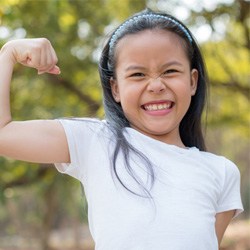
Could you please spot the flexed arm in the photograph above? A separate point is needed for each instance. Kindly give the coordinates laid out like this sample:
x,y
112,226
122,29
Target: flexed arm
x,y
40,141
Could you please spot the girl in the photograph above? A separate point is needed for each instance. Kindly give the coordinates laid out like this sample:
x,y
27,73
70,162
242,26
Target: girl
x,y
149,183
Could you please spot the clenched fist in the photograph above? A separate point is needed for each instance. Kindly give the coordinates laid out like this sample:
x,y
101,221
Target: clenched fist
x,y
36,53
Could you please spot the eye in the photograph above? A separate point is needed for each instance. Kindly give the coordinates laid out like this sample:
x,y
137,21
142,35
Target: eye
x,y
137,74
170,71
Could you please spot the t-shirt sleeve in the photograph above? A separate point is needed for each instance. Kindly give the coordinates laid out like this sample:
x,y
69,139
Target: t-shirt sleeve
x,y
80,134
230,198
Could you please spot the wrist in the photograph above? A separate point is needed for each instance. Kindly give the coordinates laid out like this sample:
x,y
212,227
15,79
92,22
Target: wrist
x,y
7,53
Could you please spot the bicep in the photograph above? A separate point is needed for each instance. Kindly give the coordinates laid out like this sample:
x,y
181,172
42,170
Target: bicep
x,y
222,221
41,141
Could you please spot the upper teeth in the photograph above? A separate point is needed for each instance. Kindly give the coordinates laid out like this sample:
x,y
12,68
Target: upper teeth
x,y
157,106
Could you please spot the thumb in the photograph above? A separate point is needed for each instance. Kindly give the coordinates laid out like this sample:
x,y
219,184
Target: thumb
x,y
55,71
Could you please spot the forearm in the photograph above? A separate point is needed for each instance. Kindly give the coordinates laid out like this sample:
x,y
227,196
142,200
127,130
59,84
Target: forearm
x,y
6,69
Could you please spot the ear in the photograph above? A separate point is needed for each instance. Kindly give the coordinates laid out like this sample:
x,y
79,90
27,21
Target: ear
x,y
194,81
115,89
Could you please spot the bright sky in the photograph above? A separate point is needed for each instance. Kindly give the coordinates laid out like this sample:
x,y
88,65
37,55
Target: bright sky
x,y
202,31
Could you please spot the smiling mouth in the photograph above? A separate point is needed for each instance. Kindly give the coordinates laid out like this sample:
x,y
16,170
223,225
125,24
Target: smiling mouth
x,y
158,106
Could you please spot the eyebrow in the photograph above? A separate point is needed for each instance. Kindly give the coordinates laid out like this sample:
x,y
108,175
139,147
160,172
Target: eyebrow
x,y
138,67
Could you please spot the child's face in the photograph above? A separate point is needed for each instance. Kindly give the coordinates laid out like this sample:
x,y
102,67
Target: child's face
x,y
154,83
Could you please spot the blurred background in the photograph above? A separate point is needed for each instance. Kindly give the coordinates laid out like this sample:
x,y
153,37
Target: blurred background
x,y
41,209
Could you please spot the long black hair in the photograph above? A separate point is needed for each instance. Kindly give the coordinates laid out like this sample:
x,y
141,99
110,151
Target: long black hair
x,y
190,126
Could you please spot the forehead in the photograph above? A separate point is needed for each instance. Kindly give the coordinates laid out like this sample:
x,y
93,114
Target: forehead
x,y
147,45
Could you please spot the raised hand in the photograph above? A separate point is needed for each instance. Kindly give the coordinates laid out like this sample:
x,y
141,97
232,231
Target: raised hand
x,y
36,53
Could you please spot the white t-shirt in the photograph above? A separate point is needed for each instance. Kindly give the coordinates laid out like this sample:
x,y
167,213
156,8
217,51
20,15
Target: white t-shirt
x,y
190,188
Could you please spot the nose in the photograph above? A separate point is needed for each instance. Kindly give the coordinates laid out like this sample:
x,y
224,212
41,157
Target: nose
x,y
156,85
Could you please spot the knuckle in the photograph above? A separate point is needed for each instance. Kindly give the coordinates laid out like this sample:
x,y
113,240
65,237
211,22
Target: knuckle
x,y
56,60
44,41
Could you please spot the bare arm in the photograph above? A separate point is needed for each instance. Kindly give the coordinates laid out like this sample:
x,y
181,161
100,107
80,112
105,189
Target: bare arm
x,y
36,141
222,221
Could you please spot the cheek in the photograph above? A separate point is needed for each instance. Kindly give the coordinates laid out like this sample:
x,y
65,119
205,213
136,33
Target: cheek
x,y
129,92
130,99
183,94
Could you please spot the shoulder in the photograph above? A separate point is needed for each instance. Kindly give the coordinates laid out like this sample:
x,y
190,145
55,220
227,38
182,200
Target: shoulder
x,y
78,121
218,163
80,124
217,159
85,128
226,180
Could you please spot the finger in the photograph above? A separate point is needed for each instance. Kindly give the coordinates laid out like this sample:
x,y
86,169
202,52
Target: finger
x,y
29,59
33,58
54,56
48,60
50,66
44,59
45,67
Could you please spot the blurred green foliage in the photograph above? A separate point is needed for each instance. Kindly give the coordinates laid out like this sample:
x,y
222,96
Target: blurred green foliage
x,y
78,30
